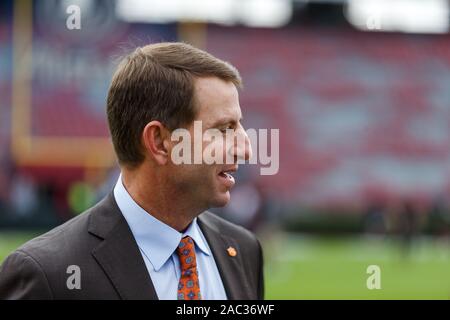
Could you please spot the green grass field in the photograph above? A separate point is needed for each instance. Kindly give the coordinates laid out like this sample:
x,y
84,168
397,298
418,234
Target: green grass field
x,y
322,268
317,268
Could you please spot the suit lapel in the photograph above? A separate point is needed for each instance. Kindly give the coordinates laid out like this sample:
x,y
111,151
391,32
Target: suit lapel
x,y
121,260
119,255
231,269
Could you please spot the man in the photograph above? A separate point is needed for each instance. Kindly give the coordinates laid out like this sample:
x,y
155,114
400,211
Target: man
x,y
152,238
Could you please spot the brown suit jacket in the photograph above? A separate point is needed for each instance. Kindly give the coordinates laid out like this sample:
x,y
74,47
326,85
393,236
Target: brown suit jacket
x,y
100,242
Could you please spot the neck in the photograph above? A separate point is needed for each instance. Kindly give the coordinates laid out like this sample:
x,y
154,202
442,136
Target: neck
x,y
152,193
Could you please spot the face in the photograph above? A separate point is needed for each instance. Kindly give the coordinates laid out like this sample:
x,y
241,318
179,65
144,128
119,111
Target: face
x,y
217,104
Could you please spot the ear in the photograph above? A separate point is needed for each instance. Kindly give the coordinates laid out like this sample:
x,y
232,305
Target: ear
x,y
155,140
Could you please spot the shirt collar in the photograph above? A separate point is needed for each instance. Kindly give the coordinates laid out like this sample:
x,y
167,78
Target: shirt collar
x,y
155,238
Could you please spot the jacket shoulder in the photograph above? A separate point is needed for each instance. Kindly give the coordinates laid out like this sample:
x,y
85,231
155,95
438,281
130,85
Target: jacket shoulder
x,y
61,244
62,238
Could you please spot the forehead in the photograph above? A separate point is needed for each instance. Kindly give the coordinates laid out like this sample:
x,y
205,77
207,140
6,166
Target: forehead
x,y
215,99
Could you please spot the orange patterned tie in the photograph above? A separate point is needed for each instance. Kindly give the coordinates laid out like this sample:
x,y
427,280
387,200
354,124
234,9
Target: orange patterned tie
x,y
188,286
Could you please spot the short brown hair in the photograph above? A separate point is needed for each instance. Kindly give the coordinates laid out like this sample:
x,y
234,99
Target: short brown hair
x,y
156,82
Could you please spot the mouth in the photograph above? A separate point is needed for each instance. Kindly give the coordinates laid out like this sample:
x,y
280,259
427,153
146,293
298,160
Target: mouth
x,y
226,177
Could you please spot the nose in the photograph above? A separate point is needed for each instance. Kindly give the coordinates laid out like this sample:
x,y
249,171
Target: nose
x,y
242,148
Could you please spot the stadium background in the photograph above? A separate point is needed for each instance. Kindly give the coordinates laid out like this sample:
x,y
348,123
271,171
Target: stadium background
x,y
364,121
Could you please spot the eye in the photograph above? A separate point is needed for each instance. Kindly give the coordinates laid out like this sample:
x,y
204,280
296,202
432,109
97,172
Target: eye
x,y
224,130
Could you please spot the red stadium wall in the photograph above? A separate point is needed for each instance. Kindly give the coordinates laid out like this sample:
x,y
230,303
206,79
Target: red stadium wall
x,y
362,116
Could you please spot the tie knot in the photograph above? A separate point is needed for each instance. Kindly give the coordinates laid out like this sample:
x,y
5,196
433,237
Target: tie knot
x,y
186,241
186,253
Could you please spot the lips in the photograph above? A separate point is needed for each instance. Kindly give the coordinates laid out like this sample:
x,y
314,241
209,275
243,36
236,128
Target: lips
x,y
226,178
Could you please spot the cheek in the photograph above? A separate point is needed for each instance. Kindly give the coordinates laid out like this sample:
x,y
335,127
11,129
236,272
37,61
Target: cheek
x,y
215,152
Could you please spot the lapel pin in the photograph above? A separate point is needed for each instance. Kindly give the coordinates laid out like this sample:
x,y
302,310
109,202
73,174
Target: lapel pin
x,y
232,252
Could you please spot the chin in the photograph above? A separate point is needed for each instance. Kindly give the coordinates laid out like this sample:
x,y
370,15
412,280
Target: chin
x,y
221,200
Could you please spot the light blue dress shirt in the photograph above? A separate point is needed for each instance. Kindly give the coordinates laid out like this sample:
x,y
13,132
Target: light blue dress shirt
x,y
158,242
